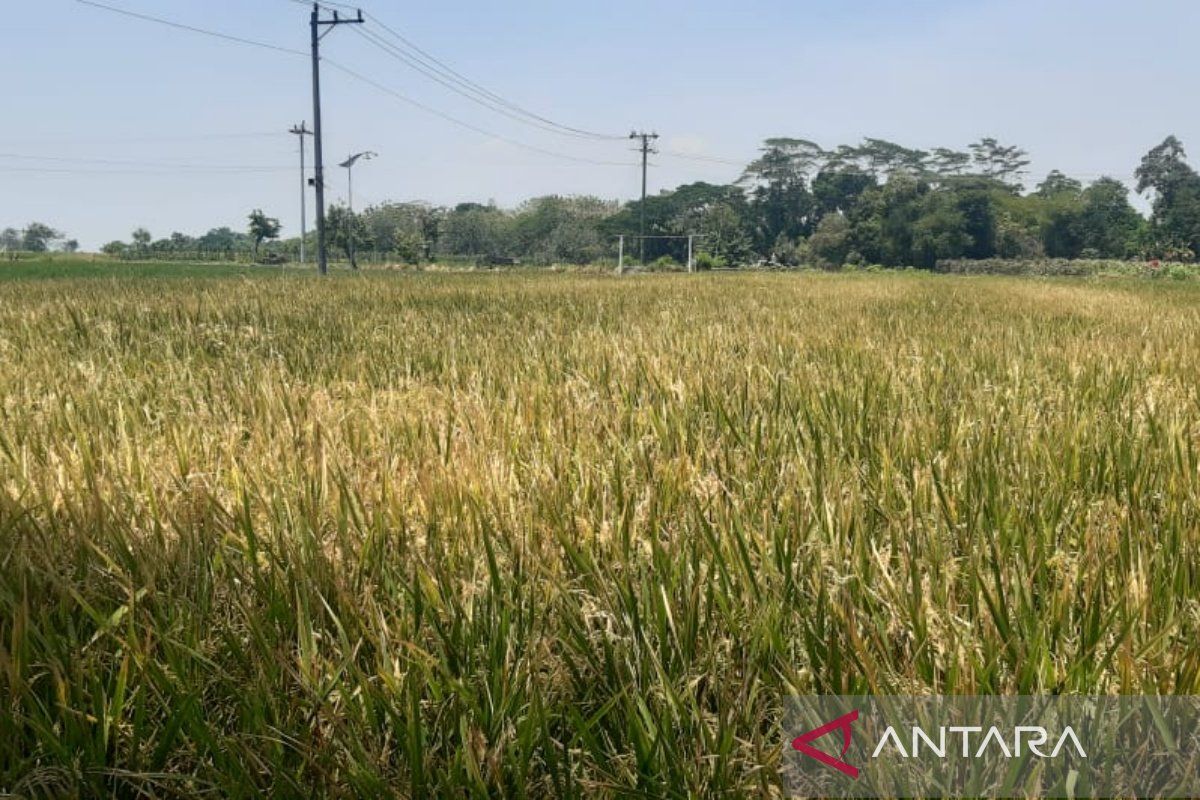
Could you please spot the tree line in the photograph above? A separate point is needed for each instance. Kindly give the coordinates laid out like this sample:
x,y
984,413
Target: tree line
x,y
36,237
797,203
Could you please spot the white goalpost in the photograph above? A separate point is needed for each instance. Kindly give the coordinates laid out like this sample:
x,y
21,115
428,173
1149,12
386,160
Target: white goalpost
x,y
691,248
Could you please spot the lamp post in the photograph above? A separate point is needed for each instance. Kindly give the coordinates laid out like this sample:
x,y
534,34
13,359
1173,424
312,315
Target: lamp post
x,y
349,163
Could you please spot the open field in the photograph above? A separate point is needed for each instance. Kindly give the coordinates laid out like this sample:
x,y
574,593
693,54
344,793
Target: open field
x,y
529,535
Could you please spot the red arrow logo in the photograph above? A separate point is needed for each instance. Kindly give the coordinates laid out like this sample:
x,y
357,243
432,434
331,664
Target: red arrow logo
x,y
842,723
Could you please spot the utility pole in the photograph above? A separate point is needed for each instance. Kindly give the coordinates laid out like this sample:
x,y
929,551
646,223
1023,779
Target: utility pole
x,y
302,130
319,167
349,165
646,149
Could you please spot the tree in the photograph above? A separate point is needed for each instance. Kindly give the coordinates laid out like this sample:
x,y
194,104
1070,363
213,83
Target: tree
x,y
831,242
554,229
70,246
1109,225
114,248
10,240
884,158
884,221
141,240
836,190
405,230
1061,230
38,237
1057,183
723,231
1003,164
940,232
471,229
945,162
1175,222
341,225
223,239
180,242
262,228
781,204
1164,168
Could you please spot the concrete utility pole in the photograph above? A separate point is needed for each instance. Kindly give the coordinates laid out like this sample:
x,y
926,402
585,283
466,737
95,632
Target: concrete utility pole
x,y
349,165
319,167
646,149
301,130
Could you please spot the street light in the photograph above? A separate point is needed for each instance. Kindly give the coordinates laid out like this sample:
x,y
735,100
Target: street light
x,y
366,155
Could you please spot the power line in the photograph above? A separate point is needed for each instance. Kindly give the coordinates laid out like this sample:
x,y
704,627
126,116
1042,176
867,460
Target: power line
x,y
705,158
180,26
150,164
472,86
134,171
203,137
455,120
471,94
434,68
357,76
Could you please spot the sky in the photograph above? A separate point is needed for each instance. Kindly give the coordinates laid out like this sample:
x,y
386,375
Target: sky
x,y
112,122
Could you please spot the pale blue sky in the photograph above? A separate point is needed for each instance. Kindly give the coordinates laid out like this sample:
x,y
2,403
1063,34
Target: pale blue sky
x,y
1085,86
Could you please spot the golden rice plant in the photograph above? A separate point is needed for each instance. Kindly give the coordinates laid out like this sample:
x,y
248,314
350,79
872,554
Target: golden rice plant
x,y
533,535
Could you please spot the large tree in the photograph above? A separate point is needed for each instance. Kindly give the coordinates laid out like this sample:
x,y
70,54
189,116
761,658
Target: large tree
x,y
1002,163
262,228
556,229
1175,224
38,237
343,227
777,181
472,229
141,240
10,240
405,230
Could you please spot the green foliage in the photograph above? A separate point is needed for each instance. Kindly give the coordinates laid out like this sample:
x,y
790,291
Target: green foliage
x,y
10,240
262,228
38,237
1066,268
881,202
406,231
831,242
1174,230
342,227
562,230
141,240
471,229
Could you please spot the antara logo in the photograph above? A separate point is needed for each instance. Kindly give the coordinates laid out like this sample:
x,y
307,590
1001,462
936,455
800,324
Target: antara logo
x,y
1024,739
843,724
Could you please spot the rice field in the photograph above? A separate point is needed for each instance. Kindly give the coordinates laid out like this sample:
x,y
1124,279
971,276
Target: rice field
x,y
554,536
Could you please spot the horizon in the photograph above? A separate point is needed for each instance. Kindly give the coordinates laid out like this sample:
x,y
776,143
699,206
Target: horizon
x,y
183,138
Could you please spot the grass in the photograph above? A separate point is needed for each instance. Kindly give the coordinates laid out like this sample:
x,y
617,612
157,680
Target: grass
x,y
66,266
556,536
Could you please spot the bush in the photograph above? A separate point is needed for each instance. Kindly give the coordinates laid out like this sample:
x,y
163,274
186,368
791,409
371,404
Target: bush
x,y
830,244
1064,268
1035,266
664,262
708,261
